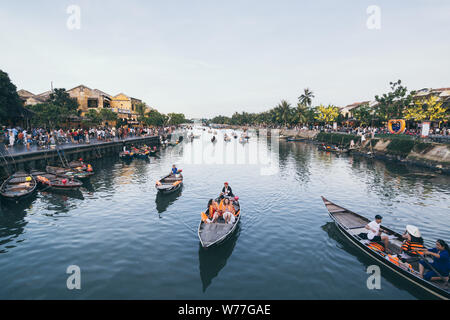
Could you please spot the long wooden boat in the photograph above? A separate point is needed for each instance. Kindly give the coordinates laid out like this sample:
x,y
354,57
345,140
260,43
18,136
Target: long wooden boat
x,y
54,182
69,172
169,183
329,148
212,234
126,155
18,186
293,139
351,225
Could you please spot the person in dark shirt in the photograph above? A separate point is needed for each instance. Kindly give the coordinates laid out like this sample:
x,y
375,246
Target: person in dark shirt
x,y
226,191
441,262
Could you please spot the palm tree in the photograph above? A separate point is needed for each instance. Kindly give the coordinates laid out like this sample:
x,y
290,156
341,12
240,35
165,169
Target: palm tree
x,y
283,111
301,113
306,97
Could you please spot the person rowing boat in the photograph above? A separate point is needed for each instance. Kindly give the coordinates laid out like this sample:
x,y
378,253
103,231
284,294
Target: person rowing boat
x,y
439,269
226,191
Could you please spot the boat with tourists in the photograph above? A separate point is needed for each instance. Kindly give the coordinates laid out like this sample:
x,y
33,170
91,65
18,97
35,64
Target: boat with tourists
x,y
353,227
212,233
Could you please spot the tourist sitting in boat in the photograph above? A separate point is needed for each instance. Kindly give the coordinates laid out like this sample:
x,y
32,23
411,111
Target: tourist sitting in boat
x,y
375,232
441,262
413,244
211,214
226,191
229,211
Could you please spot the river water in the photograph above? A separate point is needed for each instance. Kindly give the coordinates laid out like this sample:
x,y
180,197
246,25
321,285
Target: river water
x,y
130,243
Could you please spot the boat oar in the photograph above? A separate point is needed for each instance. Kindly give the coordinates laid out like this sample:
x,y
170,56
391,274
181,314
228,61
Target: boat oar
x,y
435,271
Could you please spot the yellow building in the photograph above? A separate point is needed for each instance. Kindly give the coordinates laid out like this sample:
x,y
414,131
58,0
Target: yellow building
x,y
125,107
88,99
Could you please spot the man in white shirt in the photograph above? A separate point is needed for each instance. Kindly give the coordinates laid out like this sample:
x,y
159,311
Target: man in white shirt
x,y
375,231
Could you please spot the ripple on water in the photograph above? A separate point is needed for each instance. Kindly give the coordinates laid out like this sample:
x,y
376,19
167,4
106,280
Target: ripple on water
x,y
131,244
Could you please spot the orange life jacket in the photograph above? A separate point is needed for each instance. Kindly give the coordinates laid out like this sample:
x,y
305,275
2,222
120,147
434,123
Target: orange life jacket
x,y
396,261
376,247
411,247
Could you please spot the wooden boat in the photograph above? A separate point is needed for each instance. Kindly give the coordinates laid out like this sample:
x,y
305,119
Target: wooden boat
x,y
126,155
55,182
334,149
80,165
69,172
212,234
293,139
351,225
18,186
169,183
142,154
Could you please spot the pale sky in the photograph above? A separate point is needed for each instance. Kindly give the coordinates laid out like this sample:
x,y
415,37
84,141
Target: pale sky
x,y
206,57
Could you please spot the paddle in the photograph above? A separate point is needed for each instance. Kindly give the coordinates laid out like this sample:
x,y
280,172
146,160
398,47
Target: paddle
x,y
434,270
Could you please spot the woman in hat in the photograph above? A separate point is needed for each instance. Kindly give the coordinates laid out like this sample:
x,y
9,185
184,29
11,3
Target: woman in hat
x,y
413,244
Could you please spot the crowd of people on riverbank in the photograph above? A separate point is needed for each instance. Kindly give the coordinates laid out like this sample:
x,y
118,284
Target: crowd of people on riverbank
x,y
45,138
362,130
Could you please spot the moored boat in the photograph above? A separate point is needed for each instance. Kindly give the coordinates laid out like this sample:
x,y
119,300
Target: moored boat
x,y
332,148
293,139
352,225
169,183
69,172
212,234
126,155
55,182
18,186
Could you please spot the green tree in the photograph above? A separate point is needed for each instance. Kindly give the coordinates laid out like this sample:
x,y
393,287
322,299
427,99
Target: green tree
x,y
391,105
283,112
327,114
60,97
10,102
363,114
306,97
176,118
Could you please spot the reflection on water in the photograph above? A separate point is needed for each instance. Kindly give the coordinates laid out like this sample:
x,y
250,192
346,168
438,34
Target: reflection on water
x,y
13,223
163,201
132,243
213,260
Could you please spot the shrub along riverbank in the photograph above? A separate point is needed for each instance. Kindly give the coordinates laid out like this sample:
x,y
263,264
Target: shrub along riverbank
x,y
390,147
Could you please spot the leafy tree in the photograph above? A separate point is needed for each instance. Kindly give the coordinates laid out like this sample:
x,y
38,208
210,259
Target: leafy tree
x,y
363,114
427,108
10,102
107,115
47,115
93,117
390,105
176,118
283,112
306,97
60,97
327,114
